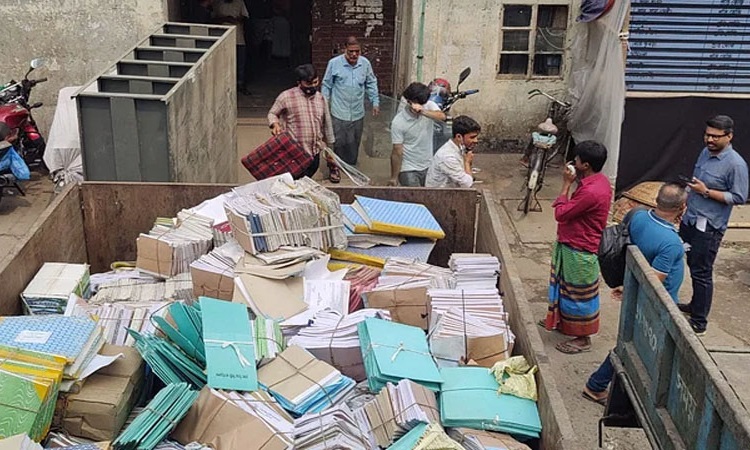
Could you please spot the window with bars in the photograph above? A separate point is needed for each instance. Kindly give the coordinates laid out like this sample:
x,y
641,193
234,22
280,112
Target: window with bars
x,y
533,40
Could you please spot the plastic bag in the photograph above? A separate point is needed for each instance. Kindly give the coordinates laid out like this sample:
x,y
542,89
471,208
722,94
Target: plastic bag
x,y
516,377
17,165
354,174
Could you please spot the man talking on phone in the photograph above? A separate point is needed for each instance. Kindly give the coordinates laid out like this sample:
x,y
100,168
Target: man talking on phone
x,y
719,181
451,165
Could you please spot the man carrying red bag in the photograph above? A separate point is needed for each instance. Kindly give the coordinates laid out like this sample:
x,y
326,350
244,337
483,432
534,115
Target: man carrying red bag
x,y
303,113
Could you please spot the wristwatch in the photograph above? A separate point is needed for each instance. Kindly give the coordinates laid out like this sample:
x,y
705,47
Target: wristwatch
x,y
705,193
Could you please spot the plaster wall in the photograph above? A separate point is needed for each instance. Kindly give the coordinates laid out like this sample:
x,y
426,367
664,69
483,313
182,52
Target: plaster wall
x,y
79,38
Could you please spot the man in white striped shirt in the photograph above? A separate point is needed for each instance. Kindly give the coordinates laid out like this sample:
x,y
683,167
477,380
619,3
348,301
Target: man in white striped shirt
x,y
451,165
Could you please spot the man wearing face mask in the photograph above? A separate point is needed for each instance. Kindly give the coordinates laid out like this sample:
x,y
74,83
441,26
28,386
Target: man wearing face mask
x,y
451,165
303,112
411,135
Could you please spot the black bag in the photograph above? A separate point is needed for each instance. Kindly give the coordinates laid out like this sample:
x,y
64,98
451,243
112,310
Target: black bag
x,y
611,254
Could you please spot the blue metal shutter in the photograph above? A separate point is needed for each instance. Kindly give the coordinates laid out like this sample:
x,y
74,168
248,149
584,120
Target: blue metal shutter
x,y
698,46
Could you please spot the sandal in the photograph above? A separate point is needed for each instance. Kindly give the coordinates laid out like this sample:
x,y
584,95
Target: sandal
x,y
543,323
601,401
334,175
572,349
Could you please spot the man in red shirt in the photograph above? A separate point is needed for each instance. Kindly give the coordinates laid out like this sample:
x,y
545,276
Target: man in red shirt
x,y
303,111
581,219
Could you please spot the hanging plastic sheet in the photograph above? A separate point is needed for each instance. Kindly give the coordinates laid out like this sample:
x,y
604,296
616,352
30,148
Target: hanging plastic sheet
x,y
63,153
597,87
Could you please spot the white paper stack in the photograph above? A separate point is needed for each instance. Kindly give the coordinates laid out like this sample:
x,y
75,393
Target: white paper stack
x,y
48,291
452,338
221,260
475,270
333,428
114,318
407,273
332,337
484,304
19,442
394,411
278,212
142,290
169,248
108,278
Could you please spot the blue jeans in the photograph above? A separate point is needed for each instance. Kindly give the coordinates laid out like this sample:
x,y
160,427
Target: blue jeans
x,y
599,380
241,63
704,246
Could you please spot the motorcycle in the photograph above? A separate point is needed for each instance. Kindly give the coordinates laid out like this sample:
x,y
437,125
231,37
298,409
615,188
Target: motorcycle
x,y
15,111
441,94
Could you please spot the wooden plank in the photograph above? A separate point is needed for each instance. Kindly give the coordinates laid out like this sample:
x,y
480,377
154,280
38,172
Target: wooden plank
x,y
454,209
56,236
557,430
115,213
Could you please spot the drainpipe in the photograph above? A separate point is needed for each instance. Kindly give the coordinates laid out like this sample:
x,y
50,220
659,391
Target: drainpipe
x,y
420,41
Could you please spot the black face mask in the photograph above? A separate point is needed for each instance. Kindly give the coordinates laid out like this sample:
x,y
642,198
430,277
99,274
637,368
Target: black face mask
x,y
309,90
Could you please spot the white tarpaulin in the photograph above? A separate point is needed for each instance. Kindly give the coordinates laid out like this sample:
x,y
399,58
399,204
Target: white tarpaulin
x,y
63,151
597,86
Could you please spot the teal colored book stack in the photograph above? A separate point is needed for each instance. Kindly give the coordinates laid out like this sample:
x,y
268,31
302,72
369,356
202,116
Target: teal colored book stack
x,y
469,398
158,419
393,352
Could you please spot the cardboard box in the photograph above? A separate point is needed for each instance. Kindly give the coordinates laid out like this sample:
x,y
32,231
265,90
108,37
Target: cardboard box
x,y
101,408
407,306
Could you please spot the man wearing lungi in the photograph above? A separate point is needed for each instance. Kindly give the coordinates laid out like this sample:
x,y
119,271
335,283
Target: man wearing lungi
x,y
574,278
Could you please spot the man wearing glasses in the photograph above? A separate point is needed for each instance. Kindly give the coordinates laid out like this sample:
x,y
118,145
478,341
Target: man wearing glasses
x,y
720,181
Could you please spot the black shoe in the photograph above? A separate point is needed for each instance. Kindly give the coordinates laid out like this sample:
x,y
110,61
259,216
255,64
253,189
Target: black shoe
x,y
685,308
697,330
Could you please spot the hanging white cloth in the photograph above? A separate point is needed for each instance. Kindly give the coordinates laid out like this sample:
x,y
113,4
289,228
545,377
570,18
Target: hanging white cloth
x,y
597,83
63,151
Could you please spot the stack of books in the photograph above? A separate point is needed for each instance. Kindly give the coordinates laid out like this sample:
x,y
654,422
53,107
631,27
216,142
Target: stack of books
x,y
77,339
49,290
169,248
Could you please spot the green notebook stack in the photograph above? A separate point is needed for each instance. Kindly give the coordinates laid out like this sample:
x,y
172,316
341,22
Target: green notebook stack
x,y
268,338
29,383
158,419
168,362
393,352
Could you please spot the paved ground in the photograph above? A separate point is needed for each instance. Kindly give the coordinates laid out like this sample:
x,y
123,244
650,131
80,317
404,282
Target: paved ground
x,y
530,239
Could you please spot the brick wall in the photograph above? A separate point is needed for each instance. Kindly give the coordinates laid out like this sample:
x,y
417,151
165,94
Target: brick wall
x,y
371,21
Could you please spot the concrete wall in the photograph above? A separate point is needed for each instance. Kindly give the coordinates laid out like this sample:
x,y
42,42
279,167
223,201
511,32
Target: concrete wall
x,y
79,38
467,34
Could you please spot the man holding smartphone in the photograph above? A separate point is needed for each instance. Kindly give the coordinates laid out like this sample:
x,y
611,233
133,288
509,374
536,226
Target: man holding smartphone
x,y
719,181
451,165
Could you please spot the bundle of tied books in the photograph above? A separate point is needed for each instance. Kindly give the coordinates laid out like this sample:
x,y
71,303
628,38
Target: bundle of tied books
x,y
395,410
143,288
172,244
116,318
469,398
228,420
392,352
332,337
381,229
280,212
333,428
213,273
29,384
75,339
402,290
49,290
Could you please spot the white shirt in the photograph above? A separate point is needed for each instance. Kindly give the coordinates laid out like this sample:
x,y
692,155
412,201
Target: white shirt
x,y
447,168
414,132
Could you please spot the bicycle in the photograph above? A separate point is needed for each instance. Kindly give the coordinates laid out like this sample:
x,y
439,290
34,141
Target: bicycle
x,y
542,153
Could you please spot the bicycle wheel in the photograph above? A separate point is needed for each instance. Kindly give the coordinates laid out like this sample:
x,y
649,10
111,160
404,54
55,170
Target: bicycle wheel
x,y
532,179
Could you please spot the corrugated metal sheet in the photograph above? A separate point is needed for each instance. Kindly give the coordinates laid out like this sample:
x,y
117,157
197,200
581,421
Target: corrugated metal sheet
x,y
689,46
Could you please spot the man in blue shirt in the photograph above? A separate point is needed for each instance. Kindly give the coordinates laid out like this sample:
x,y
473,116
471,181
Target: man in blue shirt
x,y
655,235
720,181
348,77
